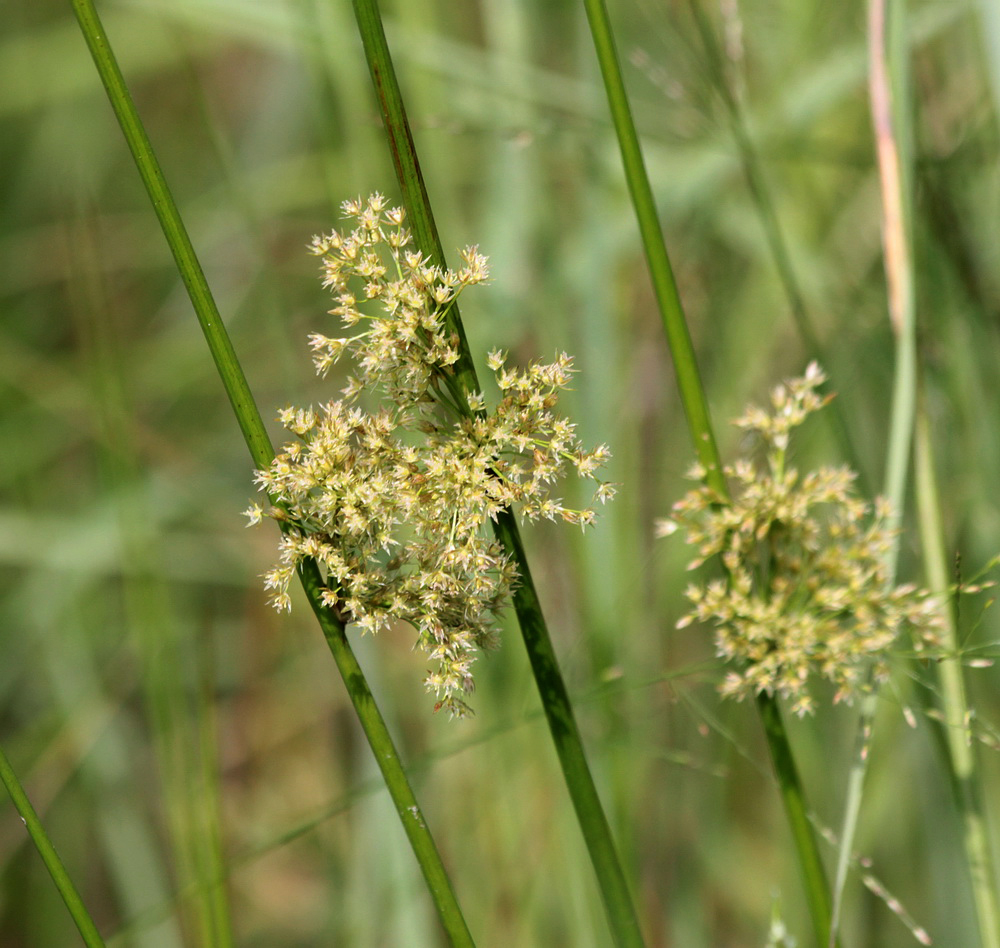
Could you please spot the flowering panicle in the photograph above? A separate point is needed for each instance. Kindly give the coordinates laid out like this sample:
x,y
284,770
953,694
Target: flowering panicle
x,y
805,589
392,505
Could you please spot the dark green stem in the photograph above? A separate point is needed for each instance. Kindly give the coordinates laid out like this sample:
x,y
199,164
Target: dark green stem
x,y
792,796
621,914
569,745
387,758
660,271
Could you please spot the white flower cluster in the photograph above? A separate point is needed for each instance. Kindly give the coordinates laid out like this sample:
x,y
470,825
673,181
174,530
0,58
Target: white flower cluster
x,y
805,589
393,505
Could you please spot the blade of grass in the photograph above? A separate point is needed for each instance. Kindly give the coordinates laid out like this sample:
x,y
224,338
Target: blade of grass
x,y
700,426
262,453
593,822
85,924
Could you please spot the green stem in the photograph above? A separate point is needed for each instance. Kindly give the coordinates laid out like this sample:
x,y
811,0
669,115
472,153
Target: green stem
x,y
793,797
411,180
569,746
88,930
387,757
176,234
262,452
887,92
699,422
619,908
760,194
965,774
660,270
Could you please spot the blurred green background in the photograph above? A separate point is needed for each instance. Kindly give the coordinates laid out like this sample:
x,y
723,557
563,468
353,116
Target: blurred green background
x,y
160,712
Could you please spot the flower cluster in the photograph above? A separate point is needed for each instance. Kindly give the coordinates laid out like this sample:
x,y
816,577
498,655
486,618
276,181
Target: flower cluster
x,y
806,589
393,504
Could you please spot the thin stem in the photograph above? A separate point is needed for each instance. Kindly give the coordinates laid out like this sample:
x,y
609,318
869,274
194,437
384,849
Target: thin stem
x,y
887,96
887,89
887,93
699,423
387,758
797,811
85,924
262,452
760,194
619,908
662,274
965,773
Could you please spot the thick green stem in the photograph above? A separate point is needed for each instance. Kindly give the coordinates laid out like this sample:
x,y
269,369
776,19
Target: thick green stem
x,y
569,745
262,452
793,797
662,274
621,914
387,759
696,409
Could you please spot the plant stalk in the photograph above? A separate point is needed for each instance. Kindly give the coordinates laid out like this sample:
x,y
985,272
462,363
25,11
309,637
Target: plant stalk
x,y
262,452
85,924
700,426
619,908
964,768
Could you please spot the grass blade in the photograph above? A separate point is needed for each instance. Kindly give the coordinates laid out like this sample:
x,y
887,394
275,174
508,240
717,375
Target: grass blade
x,y
965,772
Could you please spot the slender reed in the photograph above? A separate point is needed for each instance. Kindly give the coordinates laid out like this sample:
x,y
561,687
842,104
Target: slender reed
x,y
85,924
964,770
620,910
699,424
262,453
664,286
777,243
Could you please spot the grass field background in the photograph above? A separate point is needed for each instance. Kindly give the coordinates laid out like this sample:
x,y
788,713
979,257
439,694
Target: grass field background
x,y
160,712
